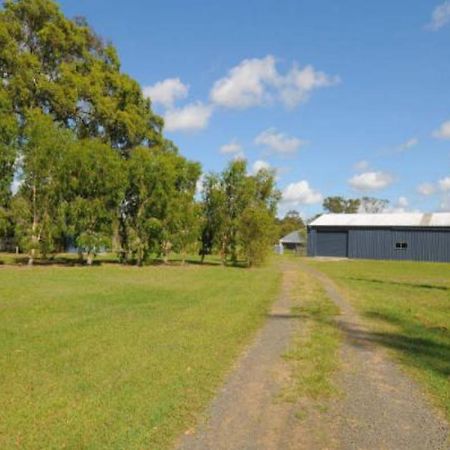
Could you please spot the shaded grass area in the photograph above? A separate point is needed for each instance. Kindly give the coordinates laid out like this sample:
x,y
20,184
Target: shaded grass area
x,y
314,353
407,307
116,357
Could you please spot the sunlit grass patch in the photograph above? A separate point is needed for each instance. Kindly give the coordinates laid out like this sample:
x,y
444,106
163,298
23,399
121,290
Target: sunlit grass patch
x,y
406,306
314,352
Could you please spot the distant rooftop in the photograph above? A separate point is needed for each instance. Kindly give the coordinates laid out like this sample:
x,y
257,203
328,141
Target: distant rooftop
x,y
383,220
292,238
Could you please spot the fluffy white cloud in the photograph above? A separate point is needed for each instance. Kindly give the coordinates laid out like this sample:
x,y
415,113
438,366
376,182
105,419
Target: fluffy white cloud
x,y
370,181
192,117
440,16
245,85
444,184
362,165
402,202
445,203
231,148
443,132
259,165
296,86
166,92
426,189
410,143
254,82
278,142
300,193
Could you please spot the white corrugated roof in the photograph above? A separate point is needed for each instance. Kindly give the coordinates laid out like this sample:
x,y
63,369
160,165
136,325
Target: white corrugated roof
x,y
292,238
383,220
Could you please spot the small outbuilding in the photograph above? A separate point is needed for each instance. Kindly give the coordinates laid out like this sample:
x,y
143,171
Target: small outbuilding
x,y
293,241
406,236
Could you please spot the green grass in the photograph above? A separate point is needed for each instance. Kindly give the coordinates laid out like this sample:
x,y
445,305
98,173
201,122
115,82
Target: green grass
x,y
407,308
114,357
314,353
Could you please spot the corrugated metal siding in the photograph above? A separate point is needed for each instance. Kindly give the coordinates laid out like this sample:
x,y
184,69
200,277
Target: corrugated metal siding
x,y
379,243
332,243
370,243
312,242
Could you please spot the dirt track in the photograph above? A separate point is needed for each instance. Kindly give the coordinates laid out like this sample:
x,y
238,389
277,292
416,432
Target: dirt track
x,y
380,408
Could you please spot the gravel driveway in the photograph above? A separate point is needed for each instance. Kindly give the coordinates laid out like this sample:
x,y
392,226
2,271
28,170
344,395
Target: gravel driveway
x,y
381,408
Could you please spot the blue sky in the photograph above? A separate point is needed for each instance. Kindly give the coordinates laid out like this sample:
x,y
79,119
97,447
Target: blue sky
x,y
342,98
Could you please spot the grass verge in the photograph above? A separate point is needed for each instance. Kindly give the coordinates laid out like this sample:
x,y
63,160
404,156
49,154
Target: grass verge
x,y
314,353
114,357
407,309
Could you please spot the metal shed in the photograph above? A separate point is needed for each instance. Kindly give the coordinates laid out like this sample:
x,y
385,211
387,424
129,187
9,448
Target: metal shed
x,y
406,236
293,240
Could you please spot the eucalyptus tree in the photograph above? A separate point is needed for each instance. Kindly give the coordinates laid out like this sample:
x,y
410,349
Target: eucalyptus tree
x,y
37,207
238,213
62,67
93,182
160,202
8,145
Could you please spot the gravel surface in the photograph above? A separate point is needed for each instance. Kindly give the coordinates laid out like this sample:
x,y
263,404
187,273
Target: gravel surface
x,y
380,408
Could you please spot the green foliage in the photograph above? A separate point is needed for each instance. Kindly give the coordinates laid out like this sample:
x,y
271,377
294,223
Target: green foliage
x,y
339,205
257,233
37,206
239,213
290,222
94,188
371,205
63,68
160,211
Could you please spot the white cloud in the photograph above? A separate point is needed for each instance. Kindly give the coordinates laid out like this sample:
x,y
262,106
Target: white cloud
x,y
231,148
362,165
278,142
440,16
296,86
259,165
166,92
370,181
443,132
192,117
246,84
255,82
410,143
401,206
300,193
402,202
445,203
426,189
444,184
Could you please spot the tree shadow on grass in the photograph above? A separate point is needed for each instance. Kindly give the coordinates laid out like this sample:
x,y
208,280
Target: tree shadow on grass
x,y
419,346
401,283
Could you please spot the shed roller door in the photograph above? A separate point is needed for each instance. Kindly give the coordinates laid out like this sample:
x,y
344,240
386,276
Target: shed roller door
x,y
332,243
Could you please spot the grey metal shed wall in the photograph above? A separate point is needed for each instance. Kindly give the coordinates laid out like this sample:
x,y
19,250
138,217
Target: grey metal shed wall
x,y
375,243
332,243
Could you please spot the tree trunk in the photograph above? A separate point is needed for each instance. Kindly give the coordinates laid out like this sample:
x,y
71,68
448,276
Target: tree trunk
x,y
90,259
31,257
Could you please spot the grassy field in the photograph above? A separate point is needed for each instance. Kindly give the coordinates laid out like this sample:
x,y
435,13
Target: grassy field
x,y
407,307
114,357
314,353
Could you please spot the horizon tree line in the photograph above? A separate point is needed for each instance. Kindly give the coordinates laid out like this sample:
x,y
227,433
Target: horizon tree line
x,y
91,160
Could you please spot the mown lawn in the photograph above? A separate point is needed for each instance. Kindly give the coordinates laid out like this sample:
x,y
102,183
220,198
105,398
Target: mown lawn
x,y
314,352
115,357
407,306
